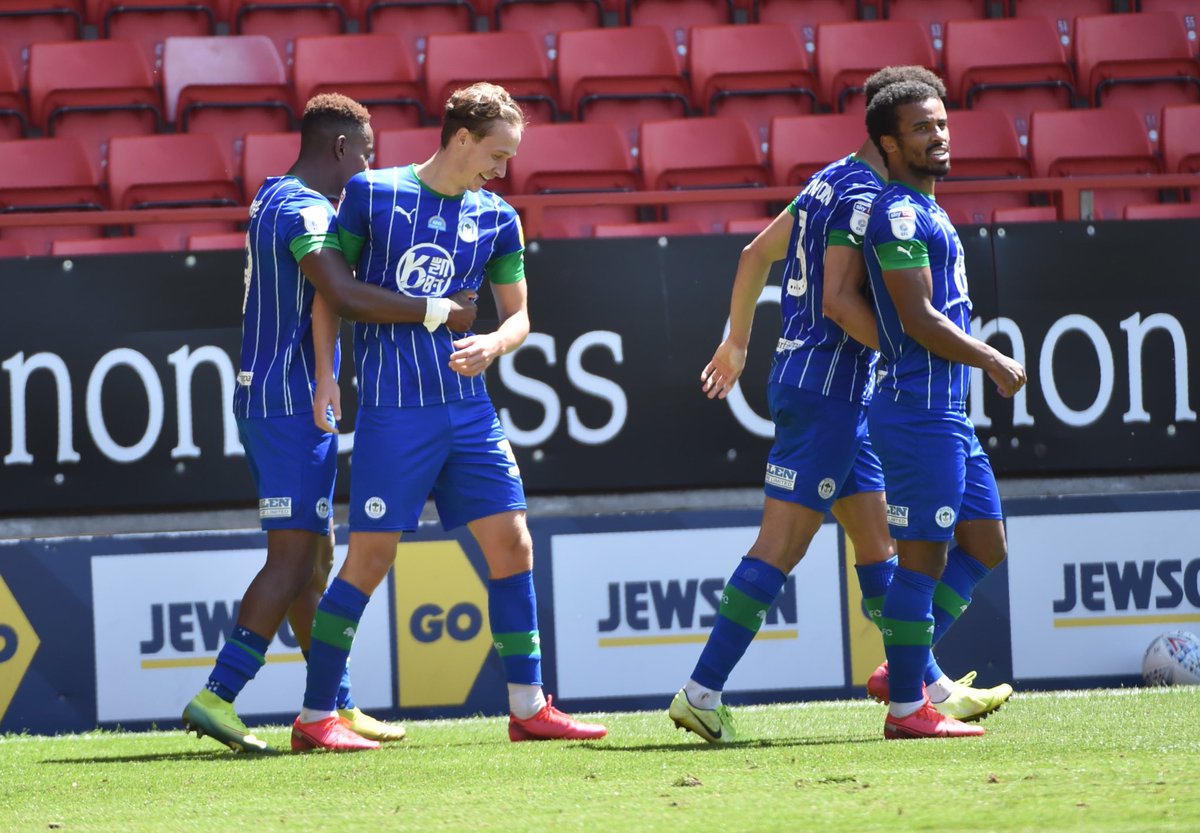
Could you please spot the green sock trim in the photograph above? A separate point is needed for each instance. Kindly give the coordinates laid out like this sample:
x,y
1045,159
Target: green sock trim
x,y
899,632
334,630
945,598
743,610
257,656
518,644
874,606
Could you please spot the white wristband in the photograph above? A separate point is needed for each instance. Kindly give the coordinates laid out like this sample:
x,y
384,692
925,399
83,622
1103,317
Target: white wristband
x,y
437,310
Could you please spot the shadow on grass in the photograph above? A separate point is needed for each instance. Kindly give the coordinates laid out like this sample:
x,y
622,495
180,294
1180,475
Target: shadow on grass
x,y
700,746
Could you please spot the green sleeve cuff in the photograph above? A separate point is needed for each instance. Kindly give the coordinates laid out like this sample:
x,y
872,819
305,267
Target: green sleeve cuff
x,y
306,244
351,245
909,254
841,237
508,268
791,209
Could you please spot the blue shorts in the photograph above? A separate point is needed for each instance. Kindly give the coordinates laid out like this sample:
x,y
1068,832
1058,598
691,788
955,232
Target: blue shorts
x,y
294,465
822,452
937,472
457,451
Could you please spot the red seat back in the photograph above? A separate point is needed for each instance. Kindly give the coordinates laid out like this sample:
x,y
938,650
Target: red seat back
x,y
802,145
376,70
26,22
44,173
13,119
416,20
170,170
403,147
1188,12
849,52
148,23
511,59
571,157
934,15
266,155
804,16
1181,139
1062,13
544,19
283,21
676,17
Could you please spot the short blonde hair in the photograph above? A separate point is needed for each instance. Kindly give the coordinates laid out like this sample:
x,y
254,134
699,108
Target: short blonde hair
x,y
476,108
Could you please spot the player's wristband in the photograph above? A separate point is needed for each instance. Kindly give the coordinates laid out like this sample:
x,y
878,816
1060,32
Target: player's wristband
x,y
437,310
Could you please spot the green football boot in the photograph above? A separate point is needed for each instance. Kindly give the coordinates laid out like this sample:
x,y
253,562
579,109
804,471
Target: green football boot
x,y
369,727
208,714
714,725
969,704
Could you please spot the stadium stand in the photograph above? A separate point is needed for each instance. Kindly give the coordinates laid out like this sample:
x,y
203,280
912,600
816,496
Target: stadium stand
x,y
983,145
1062,13
544,19
653,228
933,15
266,154
107,246
1188,12
14,120
148,23
1163,211
402,147
676,17
25,22
375,69
849,52
511,59
416,20
802,145
283,21
806,15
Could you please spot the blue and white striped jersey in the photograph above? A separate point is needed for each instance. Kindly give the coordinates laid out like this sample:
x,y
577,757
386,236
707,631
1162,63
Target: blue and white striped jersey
x,y
813,352
908,229
405,237
276,375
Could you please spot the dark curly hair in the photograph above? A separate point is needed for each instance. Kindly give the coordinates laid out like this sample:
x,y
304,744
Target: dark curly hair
x,y
882,111
894,75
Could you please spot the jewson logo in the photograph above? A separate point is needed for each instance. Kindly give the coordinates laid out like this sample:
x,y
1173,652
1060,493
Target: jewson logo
x,y
190,634
18,643
442,635
680,611
1150,591
425,270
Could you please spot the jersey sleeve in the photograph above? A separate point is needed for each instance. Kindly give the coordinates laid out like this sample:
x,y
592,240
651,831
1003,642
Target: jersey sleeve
x,y
306,223
507,263
354,217
848,221
899,237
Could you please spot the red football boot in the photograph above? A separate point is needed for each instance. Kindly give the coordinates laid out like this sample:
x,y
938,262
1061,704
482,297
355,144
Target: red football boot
x,y
877,683
551,724
927,722
332,733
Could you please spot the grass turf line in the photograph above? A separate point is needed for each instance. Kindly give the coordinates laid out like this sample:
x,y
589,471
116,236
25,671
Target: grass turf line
x,y
1095,761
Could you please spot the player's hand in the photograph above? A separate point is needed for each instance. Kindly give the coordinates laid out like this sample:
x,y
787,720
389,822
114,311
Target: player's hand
x,y
722,372
462,311
327,405
1008,374
474,354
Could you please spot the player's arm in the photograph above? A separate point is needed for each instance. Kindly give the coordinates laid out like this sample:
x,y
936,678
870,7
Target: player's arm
x,y
753,269
327,398
911,291
843,301
475,353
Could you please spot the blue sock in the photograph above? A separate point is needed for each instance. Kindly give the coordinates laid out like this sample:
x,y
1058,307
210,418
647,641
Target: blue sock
x,y
239,660
345,700
512,614
952,597
908,632
748,596
874,579
336,620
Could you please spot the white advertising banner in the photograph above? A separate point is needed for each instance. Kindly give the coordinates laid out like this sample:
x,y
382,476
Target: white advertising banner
x,y
1088,593
632,611
160,619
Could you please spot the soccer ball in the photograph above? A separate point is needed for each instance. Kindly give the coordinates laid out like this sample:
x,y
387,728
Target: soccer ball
x,y
1173,659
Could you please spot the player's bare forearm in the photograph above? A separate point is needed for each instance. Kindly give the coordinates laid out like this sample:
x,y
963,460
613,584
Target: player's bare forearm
x,y
325,326
474,354
843,301
753,269
349,298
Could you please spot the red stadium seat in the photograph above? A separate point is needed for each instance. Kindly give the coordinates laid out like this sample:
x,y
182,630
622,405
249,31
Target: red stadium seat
x,y
1141,61
93,90
703,152
227,87
378,71
221,241
16,248
804,16
677,17
752,72
283,21
107,246
1015,65
748,225
511,59
1089,142
13,119
1163,211
48,174
148,23
624,76
403,147
1025,214
416,20
849,52
1181,139
579,157
25,22
663,228
802,145
1188,12
983,145
933,15
186,169
265,155
1062,13
544,19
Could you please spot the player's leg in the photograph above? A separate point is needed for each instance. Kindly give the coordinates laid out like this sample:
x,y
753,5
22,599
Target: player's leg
x,y
480,487
815,444
290,461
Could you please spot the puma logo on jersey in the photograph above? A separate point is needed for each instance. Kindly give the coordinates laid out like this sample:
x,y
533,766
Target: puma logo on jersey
x,y
907,251
408,215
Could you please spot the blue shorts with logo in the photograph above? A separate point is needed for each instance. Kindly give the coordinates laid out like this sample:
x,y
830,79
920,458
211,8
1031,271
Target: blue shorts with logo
x,y
822,452
294,465
455,451
937,472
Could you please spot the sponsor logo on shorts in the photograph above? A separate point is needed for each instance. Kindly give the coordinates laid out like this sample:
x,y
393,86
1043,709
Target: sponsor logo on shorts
x,y
245,377
897,515
375,508
781,478
944,517
275,507
323,508
797,286
826,488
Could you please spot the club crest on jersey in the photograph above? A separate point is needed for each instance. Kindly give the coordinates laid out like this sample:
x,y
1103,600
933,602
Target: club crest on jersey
x,y
468,232
425,270
436,223
859,216
781,478
903,219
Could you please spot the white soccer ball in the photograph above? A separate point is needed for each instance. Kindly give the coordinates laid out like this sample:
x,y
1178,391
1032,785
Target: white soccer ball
x,y
1173,659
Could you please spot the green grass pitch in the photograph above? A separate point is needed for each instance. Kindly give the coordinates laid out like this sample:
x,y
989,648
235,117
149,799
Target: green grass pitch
x,y
1095,761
